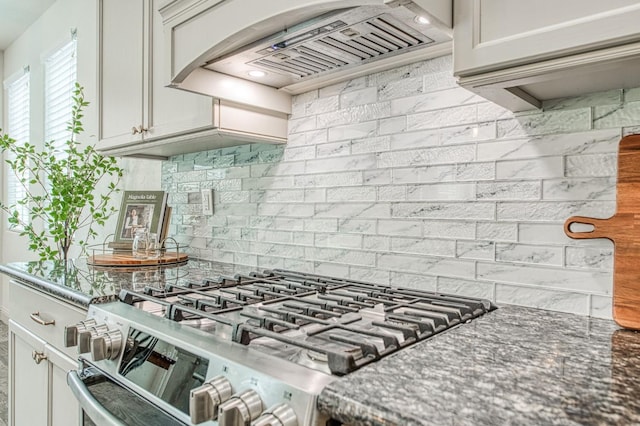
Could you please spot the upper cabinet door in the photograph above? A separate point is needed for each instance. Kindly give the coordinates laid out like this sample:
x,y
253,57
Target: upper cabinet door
x,y
120,68
171,111
519,53
135,105
495,34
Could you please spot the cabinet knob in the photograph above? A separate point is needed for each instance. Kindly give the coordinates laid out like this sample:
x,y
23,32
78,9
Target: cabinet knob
x,y
140,129
36,317
38,357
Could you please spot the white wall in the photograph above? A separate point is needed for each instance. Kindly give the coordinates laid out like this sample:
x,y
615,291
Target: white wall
x,y
50,31
2,225
402,177
3,311
1,96
47,33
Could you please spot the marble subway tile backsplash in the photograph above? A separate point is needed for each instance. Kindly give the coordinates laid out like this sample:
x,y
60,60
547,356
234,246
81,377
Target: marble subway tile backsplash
x,y
403,178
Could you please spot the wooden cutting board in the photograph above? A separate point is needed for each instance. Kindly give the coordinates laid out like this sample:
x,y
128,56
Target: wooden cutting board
x,y
623,228
122,259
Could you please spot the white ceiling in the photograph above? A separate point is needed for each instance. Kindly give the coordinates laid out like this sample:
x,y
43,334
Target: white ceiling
x,y
17,15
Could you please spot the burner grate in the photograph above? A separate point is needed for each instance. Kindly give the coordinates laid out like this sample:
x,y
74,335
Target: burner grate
x,y
345,324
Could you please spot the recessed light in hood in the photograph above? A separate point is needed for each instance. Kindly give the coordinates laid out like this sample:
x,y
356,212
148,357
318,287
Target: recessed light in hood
x,y
256,73
332,42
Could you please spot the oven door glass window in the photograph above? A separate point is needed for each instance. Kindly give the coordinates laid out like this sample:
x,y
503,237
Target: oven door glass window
x,y
164,370
122,404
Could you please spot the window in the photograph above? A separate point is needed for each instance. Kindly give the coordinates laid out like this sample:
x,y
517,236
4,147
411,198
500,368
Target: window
x,y
17,128
60,73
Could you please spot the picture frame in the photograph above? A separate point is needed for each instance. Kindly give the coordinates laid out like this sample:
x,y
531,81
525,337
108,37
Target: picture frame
x,y
140,209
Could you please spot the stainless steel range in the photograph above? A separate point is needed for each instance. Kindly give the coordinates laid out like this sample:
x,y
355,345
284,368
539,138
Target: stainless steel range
x,y
250,349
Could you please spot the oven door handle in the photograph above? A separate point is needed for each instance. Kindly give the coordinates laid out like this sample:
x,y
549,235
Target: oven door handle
x,y
91,406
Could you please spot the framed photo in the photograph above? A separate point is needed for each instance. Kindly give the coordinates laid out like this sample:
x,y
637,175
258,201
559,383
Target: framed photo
x,y
140,209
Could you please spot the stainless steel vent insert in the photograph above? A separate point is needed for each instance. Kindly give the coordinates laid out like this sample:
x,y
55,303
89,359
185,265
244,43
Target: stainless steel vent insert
x,y
355,44
330,43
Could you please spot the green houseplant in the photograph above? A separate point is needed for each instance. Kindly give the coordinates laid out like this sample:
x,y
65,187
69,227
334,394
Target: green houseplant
x,y
60,188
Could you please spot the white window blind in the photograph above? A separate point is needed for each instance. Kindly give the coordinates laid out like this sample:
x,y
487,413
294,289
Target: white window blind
x,y
60,73
18,129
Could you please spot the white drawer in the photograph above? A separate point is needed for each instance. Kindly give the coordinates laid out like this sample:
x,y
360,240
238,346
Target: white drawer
x,y
30,308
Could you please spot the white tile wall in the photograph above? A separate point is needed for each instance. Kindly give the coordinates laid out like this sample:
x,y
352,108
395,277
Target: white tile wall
x,y
403,178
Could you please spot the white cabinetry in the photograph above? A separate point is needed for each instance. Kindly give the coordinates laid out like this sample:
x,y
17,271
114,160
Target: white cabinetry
x,y
28,386
138,114
519,53
120,72
38,365
38,385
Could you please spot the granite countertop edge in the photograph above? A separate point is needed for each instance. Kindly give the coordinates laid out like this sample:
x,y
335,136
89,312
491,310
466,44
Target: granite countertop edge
x,y
66,294
80,291
515,366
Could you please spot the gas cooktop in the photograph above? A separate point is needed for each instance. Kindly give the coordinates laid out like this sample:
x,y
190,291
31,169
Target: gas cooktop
x,y
328,324
254,348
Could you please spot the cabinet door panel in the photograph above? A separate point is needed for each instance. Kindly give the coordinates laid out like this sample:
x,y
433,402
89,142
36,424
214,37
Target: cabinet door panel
x,y
496,34
121,70
65,410
27,380
171,111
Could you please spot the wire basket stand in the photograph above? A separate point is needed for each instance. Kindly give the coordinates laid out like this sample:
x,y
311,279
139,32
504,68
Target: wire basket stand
x,y
166,252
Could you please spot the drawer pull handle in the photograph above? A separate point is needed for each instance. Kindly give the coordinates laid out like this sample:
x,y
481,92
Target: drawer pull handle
x,y
38,357
36,317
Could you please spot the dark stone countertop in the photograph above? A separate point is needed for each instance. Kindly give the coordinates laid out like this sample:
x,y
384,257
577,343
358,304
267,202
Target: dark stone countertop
x,y
513,366
81,284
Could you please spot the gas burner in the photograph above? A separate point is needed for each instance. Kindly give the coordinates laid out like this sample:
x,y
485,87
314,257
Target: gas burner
x,y
324,323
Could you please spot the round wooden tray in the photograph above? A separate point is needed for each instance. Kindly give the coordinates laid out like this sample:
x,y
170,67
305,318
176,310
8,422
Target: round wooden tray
x,y
127,259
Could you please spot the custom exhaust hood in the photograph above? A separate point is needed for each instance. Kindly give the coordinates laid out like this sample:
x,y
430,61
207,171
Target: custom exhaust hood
x,y
259,53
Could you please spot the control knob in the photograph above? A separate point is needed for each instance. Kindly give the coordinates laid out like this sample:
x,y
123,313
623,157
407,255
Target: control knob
x,y
71,331
84,337
205,400
106,345
279,415
240,410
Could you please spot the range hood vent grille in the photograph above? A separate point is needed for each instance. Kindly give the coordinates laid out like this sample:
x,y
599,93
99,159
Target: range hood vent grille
x,y
344,45
334,43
